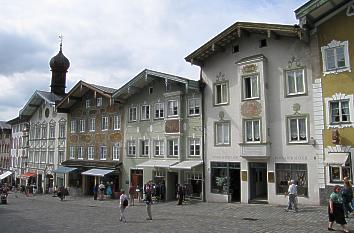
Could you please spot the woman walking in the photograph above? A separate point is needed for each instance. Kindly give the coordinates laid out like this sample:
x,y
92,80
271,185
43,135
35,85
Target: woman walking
x,y
335,209
347,194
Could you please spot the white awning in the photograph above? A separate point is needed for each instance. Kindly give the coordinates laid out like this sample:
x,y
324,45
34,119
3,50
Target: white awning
x,y
188,165
158,163
5,174
97,172
336,158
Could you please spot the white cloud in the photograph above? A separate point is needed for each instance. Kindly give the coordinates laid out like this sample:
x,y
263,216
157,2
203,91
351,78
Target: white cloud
x,y
109,42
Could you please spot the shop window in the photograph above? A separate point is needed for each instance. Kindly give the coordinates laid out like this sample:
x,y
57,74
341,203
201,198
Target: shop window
x,y
220,176
290,171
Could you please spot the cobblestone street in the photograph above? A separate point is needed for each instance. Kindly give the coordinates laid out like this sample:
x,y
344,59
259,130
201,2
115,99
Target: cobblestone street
x,y
44,213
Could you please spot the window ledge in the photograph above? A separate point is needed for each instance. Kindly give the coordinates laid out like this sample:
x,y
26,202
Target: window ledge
x,y
341,125
336,71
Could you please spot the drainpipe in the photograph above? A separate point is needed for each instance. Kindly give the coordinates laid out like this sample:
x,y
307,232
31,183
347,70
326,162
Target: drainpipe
x,y
201,89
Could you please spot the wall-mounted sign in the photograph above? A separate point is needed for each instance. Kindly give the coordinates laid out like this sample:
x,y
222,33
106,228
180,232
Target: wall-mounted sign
x,y
270,177
249,69
244,175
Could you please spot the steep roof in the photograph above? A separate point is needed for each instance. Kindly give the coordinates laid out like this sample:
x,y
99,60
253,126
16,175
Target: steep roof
x,y
79,90
4,125
144,78
235,31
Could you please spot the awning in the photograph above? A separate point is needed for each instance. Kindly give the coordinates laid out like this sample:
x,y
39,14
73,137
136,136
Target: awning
x,y
5,174
188,165
97,172
158,163
64,170
336,158
27,175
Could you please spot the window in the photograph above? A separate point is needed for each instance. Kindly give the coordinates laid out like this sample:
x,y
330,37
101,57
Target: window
x,y
145,112
131,148
72,152
61,156
51,157
295,82
82,125
297,127
92,124
337,172
80,152
43,156
221,93
62,129
99,101
172,108
194,146
194,107
87,103
252,131
159,108
335,57
116,122
116,151
44,131
73,126
222,133
52,131
144,148
90,152
250,87
285,172
221,173
103,153
263,43
339,111
173,148
159,148
132,114
104,123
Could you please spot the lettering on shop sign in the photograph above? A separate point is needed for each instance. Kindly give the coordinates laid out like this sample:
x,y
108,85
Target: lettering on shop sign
x,y
226,157
295,157
172,126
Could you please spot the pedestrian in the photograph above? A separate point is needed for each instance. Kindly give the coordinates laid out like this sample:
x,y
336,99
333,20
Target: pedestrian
x,y
347,194
123,199
95,190
292,192
335,209
132,190
101,189
163,191
180,194
61,193
148,199
109,190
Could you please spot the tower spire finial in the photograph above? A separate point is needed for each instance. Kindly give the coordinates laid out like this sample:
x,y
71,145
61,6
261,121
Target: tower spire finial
x,y
61,37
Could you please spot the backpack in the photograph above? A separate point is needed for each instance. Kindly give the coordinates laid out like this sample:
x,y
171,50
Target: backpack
x,y
125,202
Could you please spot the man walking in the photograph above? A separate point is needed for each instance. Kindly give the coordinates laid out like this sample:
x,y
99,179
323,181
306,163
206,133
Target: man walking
x,y
123,199
292,191
148,199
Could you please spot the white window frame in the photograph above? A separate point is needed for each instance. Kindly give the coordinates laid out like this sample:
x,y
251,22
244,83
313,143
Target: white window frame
x,y
103,153
87,103
172,108
295,76
193,144
253,127
82,125
297,131
339,97
145,112
72,152
224,88
90,152
99,101
62,129
104,123
159,148
175,147
116,151
73,126
51,157
144,147
159,110
80,152
92,124
133,114
131,148
116,122
194,107
333,45
52,131
225,141
61,156
253,76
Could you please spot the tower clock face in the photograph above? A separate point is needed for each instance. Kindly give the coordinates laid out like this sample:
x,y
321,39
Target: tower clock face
x,y
46,112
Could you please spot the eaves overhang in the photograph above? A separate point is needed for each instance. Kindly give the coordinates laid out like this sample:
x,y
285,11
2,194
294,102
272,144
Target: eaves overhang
x,y
36,100
236,31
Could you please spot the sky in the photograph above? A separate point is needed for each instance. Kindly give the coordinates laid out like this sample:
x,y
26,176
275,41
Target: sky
x,y
109,42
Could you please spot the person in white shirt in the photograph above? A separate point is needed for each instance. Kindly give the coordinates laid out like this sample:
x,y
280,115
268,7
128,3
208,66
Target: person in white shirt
x,y
123,199
292,192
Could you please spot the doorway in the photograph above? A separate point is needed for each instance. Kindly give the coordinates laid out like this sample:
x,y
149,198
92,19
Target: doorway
x,y
258,182
172,181
136,178
235,184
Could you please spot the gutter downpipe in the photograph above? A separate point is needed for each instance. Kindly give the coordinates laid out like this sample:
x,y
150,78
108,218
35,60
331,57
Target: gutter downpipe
x,y
201,89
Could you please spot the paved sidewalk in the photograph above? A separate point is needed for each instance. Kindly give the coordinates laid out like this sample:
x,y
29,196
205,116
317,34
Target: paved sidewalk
x,y
44,213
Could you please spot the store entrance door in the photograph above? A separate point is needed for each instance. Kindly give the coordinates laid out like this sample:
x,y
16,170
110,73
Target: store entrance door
x,y
235,185
172,181
258,182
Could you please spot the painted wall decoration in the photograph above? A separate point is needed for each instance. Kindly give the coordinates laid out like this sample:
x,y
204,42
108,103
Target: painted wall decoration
x,y
251,109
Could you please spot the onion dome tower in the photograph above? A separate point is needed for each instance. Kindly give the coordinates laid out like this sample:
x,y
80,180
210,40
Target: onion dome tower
x,y
59,65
